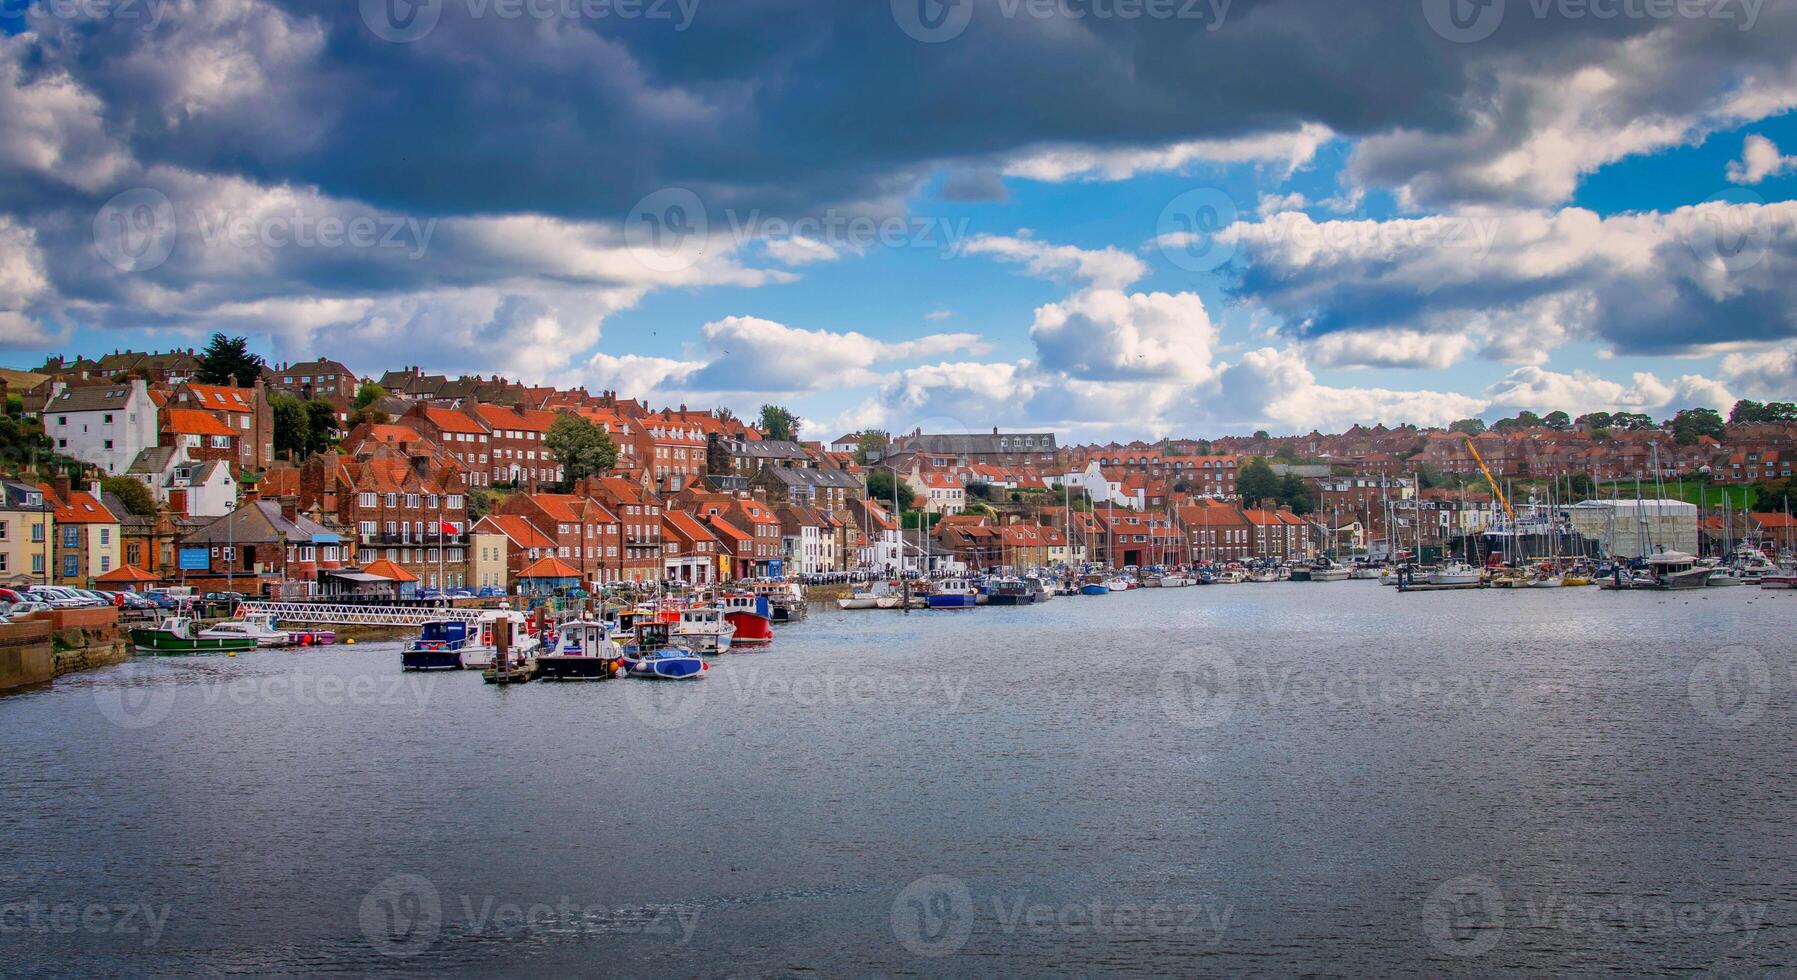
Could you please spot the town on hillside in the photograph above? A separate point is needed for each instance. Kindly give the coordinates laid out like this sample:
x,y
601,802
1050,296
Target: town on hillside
x,y
214,470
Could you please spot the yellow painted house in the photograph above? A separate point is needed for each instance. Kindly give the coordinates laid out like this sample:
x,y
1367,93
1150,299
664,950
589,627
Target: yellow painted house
x,y
26,526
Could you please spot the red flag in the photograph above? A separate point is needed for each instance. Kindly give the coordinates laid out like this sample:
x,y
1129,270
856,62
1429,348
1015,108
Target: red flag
x,y
447,528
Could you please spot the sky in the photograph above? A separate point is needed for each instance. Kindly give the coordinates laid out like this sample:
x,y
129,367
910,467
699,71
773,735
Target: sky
x,y
1115,219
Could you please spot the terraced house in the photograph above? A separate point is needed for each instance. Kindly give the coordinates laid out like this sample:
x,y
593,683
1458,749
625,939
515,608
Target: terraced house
x,y
411,512
86,534
517,454
586,534
245,411
26,523
105,425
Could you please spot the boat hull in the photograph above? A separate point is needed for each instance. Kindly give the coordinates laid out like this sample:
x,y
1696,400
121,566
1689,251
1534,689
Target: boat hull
x,y
665,668
431,659
751,630
1094,590
1778,581
952,601
1001,599
857,602
158,642
561,668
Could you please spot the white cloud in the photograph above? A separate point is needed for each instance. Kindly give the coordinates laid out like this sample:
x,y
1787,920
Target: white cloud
x,y
1390,349
1105,268
1579,392
1108,335
1759,159
1768,375
53,128
1289,151
801,251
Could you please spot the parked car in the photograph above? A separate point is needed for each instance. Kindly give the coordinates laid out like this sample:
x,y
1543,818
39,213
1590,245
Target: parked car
x,y
56,596
15,610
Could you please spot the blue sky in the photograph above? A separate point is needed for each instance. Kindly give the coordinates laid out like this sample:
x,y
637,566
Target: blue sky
x,y
1267,215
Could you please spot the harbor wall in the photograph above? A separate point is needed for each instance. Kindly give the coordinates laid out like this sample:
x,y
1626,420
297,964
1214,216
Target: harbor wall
x,y
25,655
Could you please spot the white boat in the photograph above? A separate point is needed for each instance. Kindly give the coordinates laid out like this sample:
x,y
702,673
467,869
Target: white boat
x,y
859,599
1264,575
1364,571
1388,575
1329,573
478,653
1454,573
1544,580
704,630
259,627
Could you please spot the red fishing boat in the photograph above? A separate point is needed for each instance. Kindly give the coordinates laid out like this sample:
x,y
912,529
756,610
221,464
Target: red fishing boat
x,y
750,615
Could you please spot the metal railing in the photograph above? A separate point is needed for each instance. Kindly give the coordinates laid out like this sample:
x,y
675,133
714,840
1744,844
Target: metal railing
x,y
346,614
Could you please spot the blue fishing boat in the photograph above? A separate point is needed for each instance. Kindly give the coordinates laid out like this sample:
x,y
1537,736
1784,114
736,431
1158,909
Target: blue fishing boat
x,y
1095,585
438,647
650,655
953,593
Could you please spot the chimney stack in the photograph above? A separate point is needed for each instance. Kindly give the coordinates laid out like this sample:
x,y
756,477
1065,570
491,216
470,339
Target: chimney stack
x,y
290,509
177,501
63,487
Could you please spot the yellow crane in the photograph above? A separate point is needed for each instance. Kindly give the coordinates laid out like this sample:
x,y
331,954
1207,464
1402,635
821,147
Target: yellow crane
x,y
1489,478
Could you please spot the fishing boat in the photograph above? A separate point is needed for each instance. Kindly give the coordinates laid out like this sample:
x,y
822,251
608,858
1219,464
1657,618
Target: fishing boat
x,y
259,628
583,652
1454,573
651,655
785,600
1044,588
1010,592
1095,585
175,635
751,617
704,630
953,593
439,646
1677,570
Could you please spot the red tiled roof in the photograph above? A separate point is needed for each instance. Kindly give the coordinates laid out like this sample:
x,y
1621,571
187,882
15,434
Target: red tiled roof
x,y
193,422
517,528
80,508
127,574
219,398
386,569
550,567
449,421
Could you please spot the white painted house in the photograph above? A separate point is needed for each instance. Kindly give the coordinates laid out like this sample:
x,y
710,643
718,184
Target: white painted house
x,y
106,425
1100,488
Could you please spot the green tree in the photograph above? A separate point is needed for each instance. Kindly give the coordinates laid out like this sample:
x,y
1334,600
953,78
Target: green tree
x,y
1632,421
980,489
779,424
292,430
1522,420
1557,420
228,361
1256,482
1595,420
132,492
581,447
1262,435
362,407
868,445
1582,485
880,487
1295,492
1470,427
1692,424
321,425
1748,412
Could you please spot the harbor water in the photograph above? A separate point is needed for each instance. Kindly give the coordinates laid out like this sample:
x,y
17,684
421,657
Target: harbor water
x,y
1280,778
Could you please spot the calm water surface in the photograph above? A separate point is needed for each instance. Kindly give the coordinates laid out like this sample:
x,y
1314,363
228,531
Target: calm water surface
x,y
1280,778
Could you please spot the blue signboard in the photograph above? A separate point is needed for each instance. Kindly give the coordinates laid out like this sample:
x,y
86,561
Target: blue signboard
x,y
195,560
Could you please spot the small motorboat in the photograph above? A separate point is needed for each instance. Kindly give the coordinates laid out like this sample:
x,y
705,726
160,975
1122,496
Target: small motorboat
x,y
1010,592
259,628
650,655
175,635
439,646
1327,571
1454,573
1783,578
583,652
953,593
1095,585
859,599
704,630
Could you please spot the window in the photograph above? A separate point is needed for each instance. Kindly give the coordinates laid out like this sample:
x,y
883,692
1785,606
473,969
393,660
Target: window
x,y
71,537
37,564
71,566
37,534
106,535
105,563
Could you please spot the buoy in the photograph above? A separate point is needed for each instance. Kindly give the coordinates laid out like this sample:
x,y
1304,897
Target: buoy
x,y
230,653
349,641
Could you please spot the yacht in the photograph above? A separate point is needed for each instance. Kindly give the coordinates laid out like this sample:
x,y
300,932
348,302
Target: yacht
x,y
1454,573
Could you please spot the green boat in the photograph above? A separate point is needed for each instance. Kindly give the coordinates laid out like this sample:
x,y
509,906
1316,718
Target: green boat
x,y
175,635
